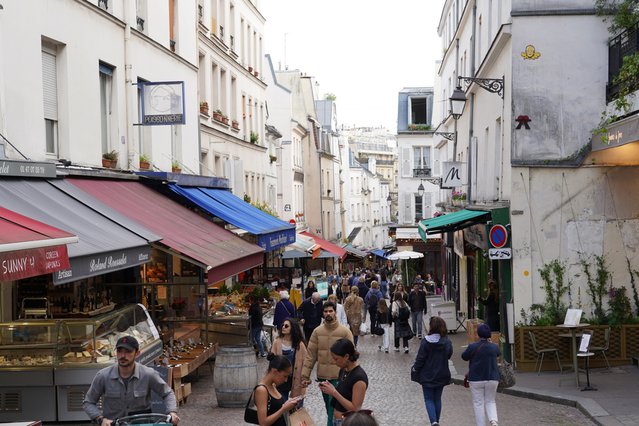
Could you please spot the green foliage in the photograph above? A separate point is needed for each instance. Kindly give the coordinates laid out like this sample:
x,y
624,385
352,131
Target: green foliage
x,y
535,317
265,207
419,127
552,275
620,14
330,97
635,295
145,158
254,137
247,198
111,156
224,290
620,311
597,285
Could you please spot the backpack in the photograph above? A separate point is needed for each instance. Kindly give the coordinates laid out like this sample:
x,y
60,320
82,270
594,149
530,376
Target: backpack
x,y
404,313
372,301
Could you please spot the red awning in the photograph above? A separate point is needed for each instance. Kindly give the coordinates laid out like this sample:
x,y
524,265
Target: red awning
x,y
29,248
327,245
221,252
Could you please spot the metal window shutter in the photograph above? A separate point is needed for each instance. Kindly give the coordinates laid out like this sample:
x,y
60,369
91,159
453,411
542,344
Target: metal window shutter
x,y
406,163
408,207
49,86
238,178
428,205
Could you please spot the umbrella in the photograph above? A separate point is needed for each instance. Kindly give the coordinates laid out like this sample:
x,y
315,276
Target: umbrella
x,y
405,256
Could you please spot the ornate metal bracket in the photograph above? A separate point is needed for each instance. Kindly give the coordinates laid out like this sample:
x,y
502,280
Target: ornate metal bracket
x,y
434,180
450,136
493,85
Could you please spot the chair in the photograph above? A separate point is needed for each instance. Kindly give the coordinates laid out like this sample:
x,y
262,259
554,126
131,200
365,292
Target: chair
x,y
603,348
542,352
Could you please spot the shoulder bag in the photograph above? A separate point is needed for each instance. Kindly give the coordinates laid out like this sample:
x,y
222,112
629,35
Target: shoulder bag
x,y
299,417
506,375
250,411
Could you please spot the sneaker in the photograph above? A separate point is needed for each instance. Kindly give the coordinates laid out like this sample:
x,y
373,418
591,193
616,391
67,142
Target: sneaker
x,y
379,348
405,350
434,424
493,423
263,355
396,349
386,350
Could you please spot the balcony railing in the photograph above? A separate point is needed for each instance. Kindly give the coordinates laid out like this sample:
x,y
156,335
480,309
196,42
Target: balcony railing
x,y
422,172
625,44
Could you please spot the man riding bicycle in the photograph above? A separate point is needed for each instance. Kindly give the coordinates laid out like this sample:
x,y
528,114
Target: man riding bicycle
x,y
126,388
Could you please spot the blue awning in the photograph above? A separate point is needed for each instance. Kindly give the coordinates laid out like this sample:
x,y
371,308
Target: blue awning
x,y
379,253
271,232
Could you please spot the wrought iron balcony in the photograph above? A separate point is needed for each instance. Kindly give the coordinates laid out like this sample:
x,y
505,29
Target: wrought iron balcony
x,y
625,44
422,173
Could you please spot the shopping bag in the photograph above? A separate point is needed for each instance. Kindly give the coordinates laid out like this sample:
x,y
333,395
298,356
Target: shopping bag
x,y
300,417
363,328
266,341
506,375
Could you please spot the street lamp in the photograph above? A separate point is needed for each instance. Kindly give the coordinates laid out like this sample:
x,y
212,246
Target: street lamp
x,y
457,103
420,188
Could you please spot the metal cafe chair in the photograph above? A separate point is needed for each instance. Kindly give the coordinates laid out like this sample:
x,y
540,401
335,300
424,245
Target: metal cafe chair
x,y
603,348
542,352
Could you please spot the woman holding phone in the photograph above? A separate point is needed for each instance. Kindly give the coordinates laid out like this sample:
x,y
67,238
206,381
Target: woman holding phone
x,y
270,403
352,381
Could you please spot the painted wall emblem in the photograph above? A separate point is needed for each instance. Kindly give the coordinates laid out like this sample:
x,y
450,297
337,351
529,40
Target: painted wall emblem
x,y
530,53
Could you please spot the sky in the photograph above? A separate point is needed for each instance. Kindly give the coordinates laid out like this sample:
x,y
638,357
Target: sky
x,y
362,51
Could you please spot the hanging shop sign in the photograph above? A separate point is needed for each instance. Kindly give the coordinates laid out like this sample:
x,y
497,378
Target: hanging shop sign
x,y
102,263
274,240
476,235
27,169
162,103
19,264
452,174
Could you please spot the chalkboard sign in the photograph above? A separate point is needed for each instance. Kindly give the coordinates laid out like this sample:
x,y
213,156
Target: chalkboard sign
x,y
157,404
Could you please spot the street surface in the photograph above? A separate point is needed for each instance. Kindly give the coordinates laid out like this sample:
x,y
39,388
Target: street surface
x,y
394,399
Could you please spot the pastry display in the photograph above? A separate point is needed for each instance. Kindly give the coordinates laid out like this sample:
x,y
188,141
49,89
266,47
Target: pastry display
x,y
25,360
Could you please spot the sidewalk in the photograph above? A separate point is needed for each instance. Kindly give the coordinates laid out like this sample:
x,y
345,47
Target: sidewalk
x,y
615,402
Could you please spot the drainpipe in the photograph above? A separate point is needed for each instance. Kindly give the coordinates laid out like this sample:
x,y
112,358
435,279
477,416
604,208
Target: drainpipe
x,y
472,104
129,86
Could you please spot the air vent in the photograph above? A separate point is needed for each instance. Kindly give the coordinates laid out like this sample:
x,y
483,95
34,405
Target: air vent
x,y
74,400
11,402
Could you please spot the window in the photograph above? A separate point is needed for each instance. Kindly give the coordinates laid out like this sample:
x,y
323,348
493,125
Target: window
x,y
140,14
419,110
50,98
419,208
106,104
421,161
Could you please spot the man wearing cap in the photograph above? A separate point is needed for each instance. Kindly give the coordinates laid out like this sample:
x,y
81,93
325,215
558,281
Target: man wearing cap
x,y
126,387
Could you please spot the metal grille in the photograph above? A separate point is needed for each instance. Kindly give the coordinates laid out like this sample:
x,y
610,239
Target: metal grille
x,y
11,402
74,400
632,341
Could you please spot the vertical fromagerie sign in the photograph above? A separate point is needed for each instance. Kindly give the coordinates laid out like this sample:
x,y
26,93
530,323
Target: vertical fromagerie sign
x,y
16,265
88,266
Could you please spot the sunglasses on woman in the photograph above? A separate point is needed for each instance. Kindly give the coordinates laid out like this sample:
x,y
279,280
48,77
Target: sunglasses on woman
x,y
286,326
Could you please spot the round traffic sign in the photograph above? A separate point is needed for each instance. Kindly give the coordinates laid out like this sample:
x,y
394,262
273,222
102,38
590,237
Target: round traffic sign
x,y
498,236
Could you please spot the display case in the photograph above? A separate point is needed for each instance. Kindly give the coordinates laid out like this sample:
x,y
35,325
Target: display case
x,y
57,360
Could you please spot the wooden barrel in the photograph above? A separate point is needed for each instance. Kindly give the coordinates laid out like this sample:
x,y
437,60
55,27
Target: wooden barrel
x,y
235,375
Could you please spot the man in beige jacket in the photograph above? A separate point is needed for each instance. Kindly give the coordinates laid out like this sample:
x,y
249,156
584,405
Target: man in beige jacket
x,y
319,351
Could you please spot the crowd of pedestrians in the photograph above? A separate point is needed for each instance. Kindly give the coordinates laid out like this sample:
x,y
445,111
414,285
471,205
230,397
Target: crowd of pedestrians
x,y
323,335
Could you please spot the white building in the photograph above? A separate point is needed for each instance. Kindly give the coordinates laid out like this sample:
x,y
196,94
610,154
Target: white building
x,y
232,92
68,80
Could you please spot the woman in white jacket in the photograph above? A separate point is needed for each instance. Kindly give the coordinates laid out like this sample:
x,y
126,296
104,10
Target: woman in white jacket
x,y
341,313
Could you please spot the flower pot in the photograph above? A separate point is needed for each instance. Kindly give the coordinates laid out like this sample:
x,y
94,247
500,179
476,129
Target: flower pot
x,y
176,170
250,69
145,165
256,73
109,164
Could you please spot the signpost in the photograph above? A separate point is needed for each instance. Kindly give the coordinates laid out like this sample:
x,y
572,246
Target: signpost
x,y
498,236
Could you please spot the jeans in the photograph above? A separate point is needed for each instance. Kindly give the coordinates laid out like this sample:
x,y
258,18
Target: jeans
x,y
433,401
483,393
256,334
383,286
386,337
327,402
418,319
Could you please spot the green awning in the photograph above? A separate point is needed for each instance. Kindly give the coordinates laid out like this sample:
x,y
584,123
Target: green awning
x,y
451,222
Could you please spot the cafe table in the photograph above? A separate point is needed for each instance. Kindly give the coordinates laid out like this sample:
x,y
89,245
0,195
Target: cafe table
x,y
573,336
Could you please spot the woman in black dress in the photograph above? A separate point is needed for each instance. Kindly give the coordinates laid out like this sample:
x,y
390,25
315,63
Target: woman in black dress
x,y
271,404
492,306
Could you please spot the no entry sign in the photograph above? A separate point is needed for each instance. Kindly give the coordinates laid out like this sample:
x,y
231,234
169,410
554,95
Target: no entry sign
x,y
498,236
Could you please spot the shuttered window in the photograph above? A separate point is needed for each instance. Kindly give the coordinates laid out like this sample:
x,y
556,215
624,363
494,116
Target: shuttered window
x,y
407,170
407,207
50,100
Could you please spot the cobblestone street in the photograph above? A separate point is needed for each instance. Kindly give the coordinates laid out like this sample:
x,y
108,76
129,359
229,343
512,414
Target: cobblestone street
x,y
394,399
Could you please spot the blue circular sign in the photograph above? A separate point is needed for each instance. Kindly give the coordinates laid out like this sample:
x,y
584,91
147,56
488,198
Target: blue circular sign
x,y
498,236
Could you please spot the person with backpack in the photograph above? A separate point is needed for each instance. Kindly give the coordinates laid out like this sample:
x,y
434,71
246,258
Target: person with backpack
x,y
283,309
371,300
401,316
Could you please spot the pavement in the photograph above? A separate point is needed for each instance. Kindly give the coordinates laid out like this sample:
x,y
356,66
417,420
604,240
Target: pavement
x,y
547,399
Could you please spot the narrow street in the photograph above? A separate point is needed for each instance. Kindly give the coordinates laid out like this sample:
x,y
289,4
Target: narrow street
x,y
394,399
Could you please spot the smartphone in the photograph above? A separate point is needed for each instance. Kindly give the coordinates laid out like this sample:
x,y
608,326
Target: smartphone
x,y
319,381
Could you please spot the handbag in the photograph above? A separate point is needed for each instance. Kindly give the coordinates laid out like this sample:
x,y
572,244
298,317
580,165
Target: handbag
x,y
266,340
300,417
378,331
250,411
414,375
466,384
363,328
506,375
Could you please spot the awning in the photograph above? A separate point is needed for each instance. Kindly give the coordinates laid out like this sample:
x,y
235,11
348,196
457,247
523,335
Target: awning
x,y
451,222
355,251
378,253
29,248
296,254
271,232
305,244
327,245
219,251
104,245
353,234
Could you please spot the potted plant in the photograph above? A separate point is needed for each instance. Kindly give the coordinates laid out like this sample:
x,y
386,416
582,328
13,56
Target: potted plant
x,y
256,73
235,124
145,162
110,159
254,137
225,119
217,115
175,167
250,68
204,108
273,158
